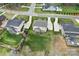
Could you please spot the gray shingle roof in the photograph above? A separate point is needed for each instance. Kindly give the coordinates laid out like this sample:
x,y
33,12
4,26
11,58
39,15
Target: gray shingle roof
x,y
72,34
14,22
40,23
70,27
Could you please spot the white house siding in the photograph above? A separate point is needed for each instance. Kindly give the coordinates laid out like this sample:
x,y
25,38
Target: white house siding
x,y
49,24
43,29
4,23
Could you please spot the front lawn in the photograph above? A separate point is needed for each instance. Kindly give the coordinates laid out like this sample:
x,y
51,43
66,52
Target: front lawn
x,y
10,39
52,20
65,20
36,18
8,15
26,18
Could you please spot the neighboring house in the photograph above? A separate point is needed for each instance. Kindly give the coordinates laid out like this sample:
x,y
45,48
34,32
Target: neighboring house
x,y
49,24
15,26
71,34
47,7
56,25
2,19
40,25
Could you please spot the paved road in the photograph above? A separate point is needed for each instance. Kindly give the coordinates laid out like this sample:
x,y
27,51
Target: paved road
x,y
32,13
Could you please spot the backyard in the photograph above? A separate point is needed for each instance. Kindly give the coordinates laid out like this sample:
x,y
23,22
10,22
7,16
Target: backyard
x,y
39,42
4,51
10,39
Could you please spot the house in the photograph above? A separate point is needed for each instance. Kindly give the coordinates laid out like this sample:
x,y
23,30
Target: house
x,y
71,34
56,25
2,19
47,7
15,26
40,25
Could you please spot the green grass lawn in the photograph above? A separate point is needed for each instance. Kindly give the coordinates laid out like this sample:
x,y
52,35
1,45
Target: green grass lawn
x,y
76,23
39,42
1,31
23,9
4,51
10,39
65,20
38,5
8,15
26,18
39,10
70,9
36,18
1,12
65,10
26,4
52,20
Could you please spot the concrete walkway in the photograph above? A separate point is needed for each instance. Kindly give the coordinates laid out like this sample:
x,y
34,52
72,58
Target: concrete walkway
x,y
50,25
14,16
28,24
